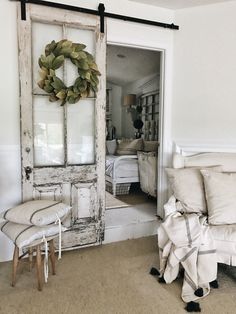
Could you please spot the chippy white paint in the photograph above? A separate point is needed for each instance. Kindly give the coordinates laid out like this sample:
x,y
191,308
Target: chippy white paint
x,y
81,186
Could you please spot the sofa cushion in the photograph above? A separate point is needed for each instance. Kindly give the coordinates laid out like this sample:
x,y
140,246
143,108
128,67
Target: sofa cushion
x,y
225,239
221,197
24,235
37,212
187,186
224,233
129,146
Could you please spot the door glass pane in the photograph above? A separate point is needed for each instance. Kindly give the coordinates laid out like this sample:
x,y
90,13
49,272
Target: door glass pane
x,y
48,132
81,36
43,34
80,132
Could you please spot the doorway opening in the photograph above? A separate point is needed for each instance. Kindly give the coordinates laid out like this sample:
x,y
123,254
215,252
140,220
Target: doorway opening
x,y
133,114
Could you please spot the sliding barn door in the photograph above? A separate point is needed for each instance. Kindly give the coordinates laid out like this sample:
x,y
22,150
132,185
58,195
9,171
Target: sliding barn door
x,y
63,147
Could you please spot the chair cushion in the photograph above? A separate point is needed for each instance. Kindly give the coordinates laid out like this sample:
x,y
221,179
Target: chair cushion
x,y
187,186
221,197
37,212
24,235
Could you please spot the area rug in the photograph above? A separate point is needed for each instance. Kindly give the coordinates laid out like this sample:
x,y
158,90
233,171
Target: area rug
x,y
114,202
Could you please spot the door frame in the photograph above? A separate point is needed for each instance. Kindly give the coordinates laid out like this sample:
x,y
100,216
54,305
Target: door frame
x,y
165,149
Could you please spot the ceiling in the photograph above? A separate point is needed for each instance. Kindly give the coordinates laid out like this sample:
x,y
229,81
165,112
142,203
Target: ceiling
x,y
135,64
178,4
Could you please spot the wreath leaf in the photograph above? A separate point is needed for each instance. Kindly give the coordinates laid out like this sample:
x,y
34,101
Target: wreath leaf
x,y
61,94
58,84
53,98
50,47
41,84
57,62
78,47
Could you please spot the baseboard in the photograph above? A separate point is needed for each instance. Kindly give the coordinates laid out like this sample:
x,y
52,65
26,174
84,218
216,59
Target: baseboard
x,y
131,231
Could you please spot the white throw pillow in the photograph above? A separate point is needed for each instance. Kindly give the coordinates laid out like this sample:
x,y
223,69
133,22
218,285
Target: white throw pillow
x,y
24,235
129,146
111,147
37,212
150,146
221,197
187,186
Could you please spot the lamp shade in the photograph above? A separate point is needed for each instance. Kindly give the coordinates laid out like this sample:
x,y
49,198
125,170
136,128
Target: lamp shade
x,y
130,100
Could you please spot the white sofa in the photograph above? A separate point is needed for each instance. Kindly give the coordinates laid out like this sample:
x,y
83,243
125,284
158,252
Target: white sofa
x,y
224,235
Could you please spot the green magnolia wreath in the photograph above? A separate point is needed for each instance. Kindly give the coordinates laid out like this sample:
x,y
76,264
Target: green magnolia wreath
x,y
55,54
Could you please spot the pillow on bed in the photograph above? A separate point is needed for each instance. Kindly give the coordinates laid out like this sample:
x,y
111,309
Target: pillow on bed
x,y
111,147
221,197
150,146
129,146
188,188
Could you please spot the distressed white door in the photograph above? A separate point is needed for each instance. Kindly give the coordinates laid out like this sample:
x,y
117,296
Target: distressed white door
x,y
63,147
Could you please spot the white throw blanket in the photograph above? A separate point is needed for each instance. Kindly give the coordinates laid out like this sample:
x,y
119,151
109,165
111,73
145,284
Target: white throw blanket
x,y
185,239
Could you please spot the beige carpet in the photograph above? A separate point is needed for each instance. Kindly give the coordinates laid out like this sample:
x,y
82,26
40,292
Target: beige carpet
x,y
114,202
111,279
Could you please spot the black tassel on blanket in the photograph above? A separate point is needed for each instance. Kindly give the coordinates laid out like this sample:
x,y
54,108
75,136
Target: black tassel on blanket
x,y
193,307
214,284
161,280
154,272
199,292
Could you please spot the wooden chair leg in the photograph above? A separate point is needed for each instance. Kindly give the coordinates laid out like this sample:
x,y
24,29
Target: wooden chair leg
x,y
30,252
14,265
52,256
39,267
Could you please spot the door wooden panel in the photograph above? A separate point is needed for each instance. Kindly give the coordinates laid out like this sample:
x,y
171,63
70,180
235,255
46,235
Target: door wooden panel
x,y
45,192
84,200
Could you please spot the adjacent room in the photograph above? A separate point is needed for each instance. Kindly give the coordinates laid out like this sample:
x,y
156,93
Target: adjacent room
x,y
132,141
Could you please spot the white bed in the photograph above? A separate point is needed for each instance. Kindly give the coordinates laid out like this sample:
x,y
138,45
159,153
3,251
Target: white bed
x,y
121,169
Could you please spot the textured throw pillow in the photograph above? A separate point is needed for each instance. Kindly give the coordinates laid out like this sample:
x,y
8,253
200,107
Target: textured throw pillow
x,y
129,147
187,186
150,146
37,212
221,197
111,147
24,235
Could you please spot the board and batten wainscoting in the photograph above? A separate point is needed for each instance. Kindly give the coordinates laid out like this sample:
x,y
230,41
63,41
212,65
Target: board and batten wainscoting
x,y
10,190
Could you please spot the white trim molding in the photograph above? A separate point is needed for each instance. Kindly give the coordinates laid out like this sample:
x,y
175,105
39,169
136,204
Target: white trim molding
x,y
187,147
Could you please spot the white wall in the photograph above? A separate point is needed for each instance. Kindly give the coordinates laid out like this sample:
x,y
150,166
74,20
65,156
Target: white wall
x,y
204,95
10,193
119,32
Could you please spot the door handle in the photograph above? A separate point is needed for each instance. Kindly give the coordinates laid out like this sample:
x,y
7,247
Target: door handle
x,y
28,171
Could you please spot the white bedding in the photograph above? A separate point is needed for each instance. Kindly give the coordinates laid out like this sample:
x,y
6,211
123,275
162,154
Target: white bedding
x,y
125,167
